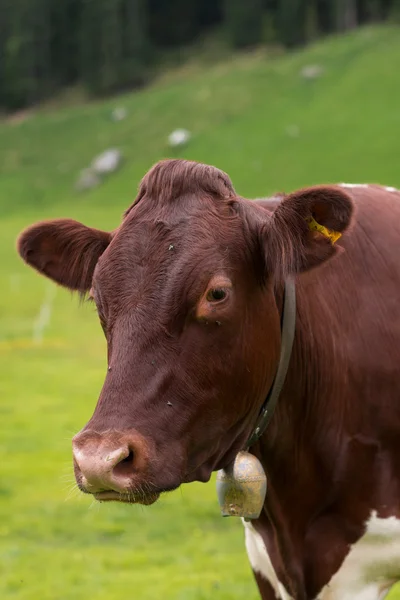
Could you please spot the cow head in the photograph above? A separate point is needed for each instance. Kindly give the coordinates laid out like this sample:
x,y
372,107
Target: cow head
x,y
188,293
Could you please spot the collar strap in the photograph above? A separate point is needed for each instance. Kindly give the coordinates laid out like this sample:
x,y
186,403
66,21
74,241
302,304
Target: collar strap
x,y
288,325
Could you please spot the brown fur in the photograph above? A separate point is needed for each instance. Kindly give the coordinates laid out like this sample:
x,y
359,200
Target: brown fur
x,y
172,179
188,375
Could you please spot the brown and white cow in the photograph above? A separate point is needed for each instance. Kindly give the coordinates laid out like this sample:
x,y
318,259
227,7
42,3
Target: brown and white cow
x,y
189,294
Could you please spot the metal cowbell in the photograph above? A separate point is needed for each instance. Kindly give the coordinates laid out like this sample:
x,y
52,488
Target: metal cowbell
x,y
242,487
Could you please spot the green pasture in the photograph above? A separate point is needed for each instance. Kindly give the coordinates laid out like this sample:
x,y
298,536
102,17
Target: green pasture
x,y
253,116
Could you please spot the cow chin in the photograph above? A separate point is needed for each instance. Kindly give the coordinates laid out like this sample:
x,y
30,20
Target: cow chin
x,y
127,497
140,495
219,459
202,474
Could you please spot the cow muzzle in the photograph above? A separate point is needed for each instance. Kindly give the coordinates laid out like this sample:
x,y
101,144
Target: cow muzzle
x,y
112,466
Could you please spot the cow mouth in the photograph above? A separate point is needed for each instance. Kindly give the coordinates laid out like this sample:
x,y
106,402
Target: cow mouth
x,y
145,495
126,498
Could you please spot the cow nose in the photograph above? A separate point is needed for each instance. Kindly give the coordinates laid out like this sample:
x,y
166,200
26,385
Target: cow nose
x,y
108,461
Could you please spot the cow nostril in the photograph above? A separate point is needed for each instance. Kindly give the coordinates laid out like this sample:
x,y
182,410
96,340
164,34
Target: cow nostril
x,y
125,466
127,459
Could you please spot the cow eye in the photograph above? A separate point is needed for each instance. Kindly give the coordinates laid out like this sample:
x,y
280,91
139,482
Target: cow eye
x,y
216,295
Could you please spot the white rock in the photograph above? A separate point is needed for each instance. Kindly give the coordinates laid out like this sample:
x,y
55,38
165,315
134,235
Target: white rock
x,y
179,137
119,113
311,71
107,162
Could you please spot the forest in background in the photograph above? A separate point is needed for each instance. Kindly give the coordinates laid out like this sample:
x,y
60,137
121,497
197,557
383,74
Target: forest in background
x,y
107,46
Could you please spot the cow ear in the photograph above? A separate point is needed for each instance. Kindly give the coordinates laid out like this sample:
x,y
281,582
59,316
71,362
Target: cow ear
x,y
304,229
64,250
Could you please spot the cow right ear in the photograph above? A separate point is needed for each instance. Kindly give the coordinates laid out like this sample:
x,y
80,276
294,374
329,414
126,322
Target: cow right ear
x,y
303,230
64,250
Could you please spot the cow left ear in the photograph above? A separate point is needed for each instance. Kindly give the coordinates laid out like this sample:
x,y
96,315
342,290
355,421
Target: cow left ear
x,y
304,229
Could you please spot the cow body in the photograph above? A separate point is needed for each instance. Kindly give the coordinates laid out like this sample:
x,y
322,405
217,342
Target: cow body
x,y
189,292
342,429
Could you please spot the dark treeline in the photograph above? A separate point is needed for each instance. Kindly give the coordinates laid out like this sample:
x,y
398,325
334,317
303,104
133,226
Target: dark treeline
x,y
111,45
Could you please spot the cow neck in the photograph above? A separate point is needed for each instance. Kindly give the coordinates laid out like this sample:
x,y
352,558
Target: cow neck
x,y
288,325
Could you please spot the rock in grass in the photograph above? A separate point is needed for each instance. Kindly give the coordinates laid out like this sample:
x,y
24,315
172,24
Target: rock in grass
x,y
311,71
119,113
179,137
107,162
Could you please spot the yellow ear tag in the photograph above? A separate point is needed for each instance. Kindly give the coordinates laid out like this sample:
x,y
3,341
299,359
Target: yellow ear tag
x,y
329,233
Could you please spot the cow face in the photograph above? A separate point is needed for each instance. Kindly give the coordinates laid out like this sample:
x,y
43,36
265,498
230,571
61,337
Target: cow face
x,y
188,293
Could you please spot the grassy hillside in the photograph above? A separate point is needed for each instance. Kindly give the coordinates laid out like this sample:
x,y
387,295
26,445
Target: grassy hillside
x,y
54,545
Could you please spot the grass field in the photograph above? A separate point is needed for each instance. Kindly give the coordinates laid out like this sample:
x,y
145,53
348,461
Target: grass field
x,y
55,545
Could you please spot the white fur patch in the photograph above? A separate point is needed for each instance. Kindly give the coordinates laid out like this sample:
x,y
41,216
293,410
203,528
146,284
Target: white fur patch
x,y
261,562
353,185
368,572
388,188
371,567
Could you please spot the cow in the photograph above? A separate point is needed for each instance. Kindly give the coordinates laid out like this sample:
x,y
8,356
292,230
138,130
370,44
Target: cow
x,y
189,291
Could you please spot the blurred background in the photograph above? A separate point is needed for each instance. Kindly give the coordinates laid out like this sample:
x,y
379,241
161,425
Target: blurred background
x,y
278,93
